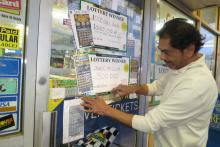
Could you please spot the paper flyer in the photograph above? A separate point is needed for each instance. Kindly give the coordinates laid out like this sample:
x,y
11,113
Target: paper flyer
x,y
13,11
9,37
83,73
109,28
81,26
73,120
108,72
99,27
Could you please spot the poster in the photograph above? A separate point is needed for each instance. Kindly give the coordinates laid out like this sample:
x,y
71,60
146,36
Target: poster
x,y
10,102
108,72
13,11
62,86
81,25
6,121
108,28
11,6
134,69
9,67
8,86
9,37
83,72
73,120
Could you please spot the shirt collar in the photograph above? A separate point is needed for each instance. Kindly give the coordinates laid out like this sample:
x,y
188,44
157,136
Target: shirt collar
x,y
197,63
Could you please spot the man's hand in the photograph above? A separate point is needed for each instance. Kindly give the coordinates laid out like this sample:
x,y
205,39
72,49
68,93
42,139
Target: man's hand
x,y
95,105
122,90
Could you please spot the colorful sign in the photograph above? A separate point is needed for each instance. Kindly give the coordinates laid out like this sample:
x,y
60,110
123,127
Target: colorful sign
x,y
9,37
98,27
9,67
83,73
8,86
6,122
10,6
10,102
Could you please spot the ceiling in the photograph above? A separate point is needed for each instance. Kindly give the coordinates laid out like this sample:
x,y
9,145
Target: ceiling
x,y
197,4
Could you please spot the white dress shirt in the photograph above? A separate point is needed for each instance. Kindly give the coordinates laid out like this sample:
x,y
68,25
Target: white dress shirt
x,y
183,116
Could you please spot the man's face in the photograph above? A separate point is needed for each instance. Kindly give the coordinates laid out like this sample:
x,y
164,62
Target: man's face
x,y
174,58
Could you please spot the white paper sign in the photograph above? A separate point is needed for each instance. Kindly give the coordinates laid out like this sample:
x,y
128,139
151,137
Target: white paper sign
x,y
108,72
73,120
160,70
109,29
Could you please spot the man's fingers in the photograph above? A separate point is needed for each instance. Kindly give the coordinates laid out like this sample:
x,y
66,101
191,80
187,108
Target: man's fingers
x,y
86,105
88,100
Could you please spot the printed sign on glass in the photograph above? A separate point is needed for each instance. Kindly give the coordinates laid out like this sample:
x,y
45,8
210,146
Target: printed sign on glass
x,y
9,37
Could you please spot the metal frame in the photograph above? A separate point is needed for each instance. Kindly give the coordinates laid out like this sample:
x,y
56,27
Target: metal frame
x,y
218,53
43,65
147,38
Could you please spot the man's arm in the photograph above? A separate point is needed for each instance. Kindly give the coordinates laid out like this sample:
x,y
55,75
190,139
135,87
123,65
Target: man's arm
x,y
124,90
97,105
120,116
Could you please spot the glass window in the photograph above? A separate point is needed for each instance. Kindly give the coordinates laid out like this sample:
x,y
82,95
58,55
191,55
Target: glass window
x,y
167,12
209,48
209,15
70,70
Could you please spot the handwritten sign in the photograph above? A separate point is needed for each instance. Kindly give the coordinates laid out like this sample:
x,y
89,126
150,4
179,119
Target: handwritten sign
x,y
108,72
109,29
95,26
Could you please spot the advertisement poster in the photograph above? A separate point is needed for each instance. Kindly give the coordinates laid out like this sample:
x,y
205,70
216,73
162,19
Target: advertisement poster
x,y
73,120
8,86
108,72
9,37
82,28
10,102
7,122
108,28
61,87
83,72
13,11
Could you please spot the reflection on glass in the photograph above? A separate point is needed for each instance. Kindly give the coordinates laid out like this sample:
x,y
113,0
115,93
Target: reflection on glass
x,y
209,15
166,12
209,48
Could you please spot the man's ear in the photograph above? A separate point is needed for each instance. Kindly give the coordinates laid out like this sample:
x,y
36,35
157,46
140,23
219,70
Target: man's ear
x,y
189,51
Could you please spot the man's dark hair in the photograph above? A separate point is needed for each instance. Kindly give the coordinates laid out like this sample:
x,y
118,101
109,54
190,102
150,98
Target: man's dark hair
x,y
181,34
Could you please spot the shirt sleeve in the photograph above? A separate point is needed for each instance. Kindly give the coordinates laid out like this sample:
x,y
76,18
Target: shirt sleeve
x,y
157,87
182,106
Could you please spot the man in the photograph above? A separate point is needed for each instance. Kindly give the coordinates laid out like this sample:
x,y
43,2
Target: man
x,y
188,92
